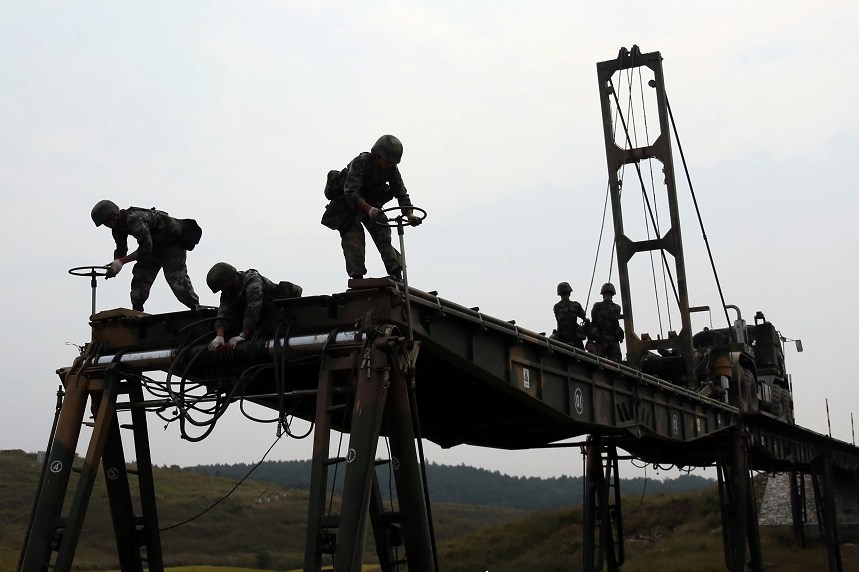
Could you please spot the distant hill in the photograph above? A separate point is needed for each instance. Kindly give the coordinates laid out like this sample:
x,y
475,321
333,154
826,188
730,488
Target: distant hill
x,y
249,531
468,485
666,533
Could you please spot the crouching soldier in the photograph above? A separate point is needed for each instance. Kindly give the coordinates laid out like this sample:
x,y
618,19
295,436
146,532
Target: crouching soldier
x,y
242,298
163,242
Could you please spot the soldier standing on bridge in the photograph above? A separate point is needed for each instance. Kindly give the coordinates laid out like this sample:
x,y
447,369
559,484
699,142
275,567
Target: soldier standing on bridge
x,y
605,333
242,298
162,242
357,195
567,314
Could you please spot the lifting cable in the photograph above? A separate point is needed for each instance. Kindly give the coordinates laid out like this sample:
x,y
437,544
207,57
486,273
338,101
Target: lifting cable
x,y
602,229
697,211
599,243
656,225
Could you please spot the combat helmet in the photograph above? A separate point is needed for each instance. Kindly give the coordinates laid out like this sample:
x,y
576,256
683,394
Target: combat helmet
x,y
608,287
389,148
220,275
103,211
564,288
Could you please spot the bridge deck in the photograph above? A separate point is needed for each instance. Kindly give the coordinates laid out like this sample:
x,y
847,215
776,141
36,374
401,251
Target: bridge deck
x,y
480,380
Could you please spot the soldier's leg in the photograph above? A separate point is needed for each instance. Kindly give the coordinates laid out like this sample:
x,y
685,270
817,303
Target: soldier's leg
x,y
174,261
143,274
352,241
381,235
614,352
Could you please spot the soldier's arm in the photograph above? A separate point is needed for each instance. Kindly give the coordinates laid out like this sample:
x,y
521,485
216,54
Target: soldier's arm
x,y
399,190
225,315
121,240
594,332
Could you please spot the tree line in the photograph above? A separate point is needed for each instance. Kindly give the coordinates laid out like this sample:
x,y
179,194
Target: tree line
x,y
460,483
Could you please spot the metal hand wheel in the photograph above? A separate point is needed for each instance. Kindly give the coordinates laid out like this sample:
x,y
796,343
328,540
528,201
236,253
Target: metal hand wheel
x,y
93,272
400,219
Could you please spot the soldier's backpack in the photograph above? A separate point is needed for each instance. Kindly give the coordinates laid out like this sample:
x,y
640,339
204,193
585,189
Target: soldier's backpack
x,y
335,183
286,289
191,233
166,230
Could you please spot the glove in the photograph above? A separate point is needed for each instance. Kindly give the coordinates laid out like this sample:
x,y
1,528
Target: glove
x,y
377,215
414,220
113,268
234,341
216,343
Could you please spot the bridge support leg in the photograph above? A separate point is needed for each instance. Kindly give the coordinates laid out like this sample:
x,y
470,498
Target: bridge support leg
x,y
799,516
602,526
132,531
53,537
319,538
827,518
370,395
381,393
413,509
739,513
46,525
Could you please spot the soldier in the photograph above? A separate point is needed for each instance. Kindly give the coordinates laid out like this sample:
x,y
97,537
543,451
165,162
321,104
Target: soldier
x,y
162,242
242,298
358,193
567,313
605,333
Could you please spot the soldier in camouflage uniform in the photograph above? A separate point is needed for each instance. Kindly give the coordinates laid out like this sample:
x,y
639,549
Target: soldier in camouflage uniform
x,y
162,242
567,314
358,193
605,333
242,297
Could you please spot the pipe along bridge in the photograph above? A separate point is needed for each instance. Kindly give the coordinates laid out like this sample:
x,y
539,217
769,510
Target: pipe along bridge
x,y
344,362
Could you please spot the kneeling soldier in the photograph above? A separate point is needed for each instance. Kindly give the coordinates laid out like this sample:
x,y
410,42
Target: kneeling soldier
x,y
242,297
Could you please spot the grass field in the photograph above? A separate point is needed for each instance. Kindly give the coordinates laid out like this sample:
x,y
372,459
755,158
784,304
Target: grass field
x,y
668,533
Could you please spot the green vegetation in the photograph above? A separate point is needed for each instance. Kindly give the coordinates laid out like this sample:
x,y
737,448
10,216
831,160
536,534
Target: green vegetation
x,y
677,532
239,532
467,485
672,533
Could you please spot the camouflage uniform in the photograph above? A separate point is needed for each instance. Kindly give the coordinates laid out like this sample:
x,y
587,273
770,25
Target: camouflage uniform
x,y
363,179
245,303
605,332
159,245
567,313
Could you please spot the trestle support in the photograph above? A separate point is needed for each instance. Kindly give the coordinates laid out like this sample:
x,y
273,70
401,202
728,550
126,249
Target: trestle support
x,y
377,375
52,538
602,521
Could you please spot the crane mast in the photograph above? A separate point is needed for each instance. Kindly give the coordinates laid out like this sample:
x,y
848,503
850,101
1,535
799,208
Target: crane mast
x,y
679,347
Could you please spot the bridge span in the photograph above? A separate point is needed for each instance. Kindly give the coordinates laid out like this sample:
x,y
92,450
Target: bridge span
x,y
353,361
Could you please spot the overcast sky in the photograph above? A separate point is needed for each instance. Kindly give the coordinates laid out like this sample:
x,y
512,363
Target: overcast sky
x,y
233,112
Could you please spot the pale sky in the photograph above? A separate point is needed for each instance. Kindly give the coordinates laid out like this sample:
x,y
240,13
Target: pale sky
x,y
233,112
